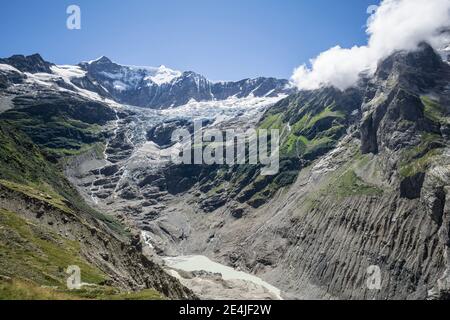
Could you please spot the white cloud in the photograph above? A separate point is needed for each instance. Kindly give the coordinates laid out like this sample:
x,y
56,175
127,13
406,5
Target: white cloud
x,y
395,25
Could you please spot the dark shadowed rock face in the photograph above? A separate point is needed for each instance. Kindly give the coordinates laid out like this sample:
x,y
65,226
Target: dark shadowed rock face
x,y
417,69
31,64
393,110
410,187
9,77
161,134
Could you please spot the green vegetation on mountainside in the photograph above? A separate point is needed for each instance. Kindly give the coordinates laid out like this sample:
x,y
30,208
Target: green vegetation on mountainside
x,y
61,126
27,170
418,159
434,111
33,258
310,123
33,263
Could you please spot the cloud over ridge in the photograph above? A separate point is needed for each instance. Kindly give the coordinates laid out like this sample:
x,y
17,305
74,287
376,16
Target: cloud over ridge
x,y
395,25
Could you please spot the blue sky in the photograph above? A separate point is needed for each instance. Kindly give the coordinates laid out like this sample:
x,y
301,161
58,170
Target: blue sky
x,y
221,39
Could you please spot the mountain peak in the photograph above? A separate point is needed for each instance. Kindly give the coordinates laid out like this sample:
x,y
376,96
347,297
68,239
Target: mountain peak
x,y
101,60
424,61
33,63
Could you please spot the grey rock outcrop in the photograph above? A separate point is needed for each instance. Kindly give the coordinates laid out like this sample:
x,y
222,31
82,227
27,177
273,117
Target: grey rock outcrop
x,y
32,64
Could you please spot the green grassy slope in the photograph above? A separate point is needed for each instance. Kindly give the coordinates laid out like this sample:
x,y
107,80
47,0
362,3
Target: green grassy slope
x,y
33,258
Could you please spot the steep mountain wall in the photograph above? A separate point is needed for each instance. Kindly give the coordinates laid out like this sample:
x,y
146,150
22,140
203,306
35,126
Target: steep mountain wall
x,y
379,199
318,239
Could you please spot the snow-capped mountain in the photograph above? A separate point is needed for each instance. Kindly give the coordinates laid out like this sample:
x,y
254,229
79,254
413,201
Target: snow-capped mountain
x,y
127,77
149,87
31,64
162,88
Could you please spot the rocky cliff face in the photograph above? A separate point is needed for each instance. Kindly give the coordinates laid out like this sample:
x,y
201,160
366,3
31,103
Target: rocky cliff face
x,y
394,114
31,64
380,198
